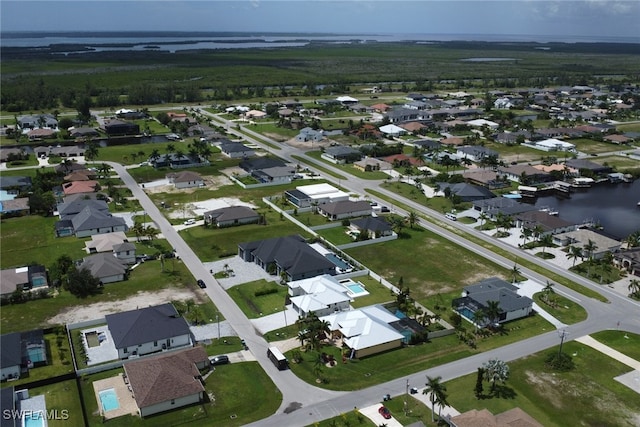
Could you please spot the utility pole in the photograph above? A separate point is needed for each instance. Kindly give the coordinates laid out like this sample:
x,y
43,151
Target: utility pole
x,y
563,334
218,322
406,397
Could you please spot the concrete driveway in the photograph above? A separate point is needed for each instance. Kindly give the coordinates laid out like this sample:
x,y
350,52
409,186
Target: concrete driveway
x,y
371,412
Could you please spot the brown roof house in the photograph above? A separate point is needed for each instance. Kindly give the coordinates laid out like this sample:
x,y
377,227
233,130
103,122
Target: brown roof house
x,y
168,381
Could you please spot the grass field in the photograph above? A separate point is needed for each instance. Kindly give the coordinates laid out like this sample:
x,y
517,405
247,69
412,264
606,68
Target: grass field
x,y
588,395
62,398
255,306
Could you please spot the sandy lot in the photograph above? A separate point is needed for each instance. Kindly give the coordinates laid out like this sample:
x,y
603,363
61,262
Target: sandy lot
x,y
210,182
141,299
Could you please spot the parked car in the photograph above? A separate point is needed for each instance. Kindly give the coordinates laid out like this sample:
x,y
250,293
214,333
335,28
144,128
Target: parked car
x,y
384,412
219,360
201,284
384,209
190,222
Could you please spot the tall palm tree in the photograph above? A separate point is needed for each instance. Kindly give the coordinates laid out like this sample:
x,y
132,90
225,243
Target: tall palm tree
x,y
633,239
548,289
495,370
590,247
438,395
537,231
155,155
483,217
527,233
412,219
546,241
493,311
574,253
138,228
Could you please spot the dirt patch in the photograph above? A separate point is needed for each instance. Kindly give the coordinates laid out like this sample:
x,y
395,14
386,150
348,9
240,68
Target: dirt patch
x,y
100,309
308,145
210,183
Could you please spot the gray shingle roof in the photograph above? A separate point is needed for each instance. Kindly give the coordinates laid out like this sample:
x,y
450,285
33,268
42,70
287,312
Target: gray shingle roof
x,y
89,219
145,325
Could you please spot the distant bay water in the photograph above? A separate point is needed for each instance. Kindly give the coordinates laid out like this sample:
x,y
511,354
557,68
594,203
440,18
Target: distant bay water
x,y
175,41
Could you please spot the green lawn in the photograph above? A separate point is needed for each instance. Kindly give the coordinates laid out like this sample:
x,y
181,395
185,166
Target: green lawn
x,y
231,385
63,399
349,419
591,146
619,162
588,395
149,173
563,309
336,235
348,168
257,306
378,293
31,239
628,344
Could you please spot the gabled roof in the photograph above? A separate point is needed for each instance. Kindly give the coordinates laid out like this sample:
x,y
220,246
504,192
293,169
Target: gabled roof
x,y
103,265
166,377
105,242
364,328
496,289
261,163
89,219
318,293
76,206
234,147
144,325
79,187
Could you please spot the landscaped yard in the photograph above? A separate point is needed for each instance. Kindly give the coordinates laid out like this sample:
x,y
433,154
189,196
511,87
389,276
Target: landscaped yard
x,y
259,298
230,385
63,399
587,395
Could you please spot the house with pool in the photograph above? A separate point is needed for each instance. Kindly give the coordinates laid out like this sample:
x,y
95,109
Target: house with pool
x,y
321,295
148,330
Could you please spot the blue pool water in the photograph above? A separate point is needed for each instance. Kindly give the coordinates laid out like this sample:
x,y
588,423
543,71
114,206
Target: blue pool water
x,y
337,261
33,419
356,288
109,400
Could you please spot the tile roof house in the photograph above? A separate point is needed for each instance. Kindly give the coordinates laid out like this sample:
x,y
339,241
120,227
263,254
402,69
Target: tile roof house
x,y
477,296
344,209
15,207
76,187
321,295
582,236
104,242
230,216
88,222
288,256
105,267
549,224
168,381
148,330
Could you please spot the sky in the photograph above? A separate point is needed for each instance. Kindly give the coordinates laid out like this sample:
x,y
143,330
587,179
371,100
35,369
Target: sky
x,y
563,18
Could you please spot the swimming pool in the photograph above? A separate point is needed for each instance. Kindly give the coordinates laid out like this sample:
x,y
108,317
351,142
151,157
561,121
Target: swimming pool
x,y
33,419
338,262
109,400
356,288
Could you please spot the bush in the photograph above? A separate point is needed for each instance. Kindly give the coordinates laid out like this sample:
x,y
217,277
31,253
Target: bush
x,y
265,291
559,362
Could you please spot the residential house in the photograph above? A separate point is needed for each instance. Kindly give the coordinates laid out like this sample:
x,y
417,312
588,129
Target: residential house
x,y
125,252
10,356
259,163
524,174
21,279
582,236
148,330
83,132
79,187
413,127
344,209
255,114
501,206
553,144
617,139
104,242
320,295
478,123
175,161
476,153
315,194
546,223
483,417
486,178
275,175
341,154
289,257
38,121
236,150
120,127
15,207
168,381
69,208
369,164
477,297
105,267
230,216
89,221
629,260
307,134
37,134
392,130
466,192
366,331
185,179
372,226
14,185
593,167
80,175
398,160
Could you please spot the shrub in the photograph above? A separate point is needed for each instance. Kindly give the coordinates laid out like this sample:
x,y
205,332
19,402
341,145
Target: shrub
x,y
559,362
265,291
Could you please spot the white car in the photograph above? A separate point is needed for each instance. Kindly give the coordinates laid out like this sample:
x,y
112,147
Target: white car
x,y
190,222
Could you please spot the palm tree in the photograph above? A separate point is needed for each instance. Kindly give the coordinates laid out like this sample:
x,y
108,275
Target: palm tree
x,y
590,247
574,253
537,231
495,370
91,150
104,170
547,291
483,217
138,228
150,232
633,240
438,395
493,311
412,219
634,288
170,148
515,271
155,155
527,233
546,241
479,317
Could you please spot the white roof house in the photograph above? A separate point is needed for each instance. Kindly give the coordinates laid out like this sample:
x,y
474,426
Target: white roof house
x,y
553,144
483,122
365,331
392,130
321,295
323,192
346,100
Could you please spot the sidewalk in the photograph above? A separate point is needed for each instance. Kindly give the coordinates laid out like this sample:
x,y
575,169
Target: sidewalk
x,y
615,354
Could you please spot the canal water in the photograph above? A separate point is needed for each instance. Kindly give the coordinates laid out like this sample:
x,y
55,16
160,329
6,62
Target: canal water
x,y
612,206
